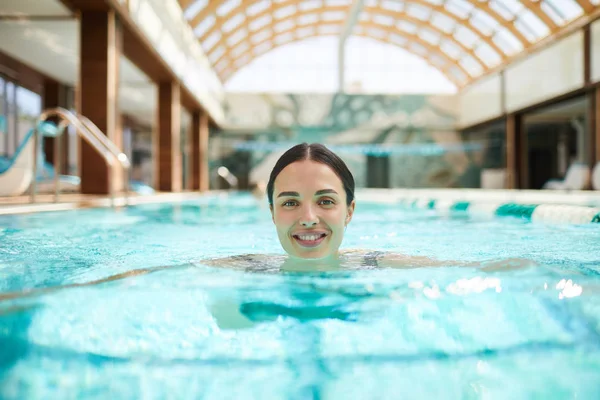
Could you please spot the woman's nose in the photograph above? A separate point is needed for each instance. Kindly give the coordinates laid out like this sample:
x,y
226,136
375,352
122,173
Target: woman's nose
x,y
309,218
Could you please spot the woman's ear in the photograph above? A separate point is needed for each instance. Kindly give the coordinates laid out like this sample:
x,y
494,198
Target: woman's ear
x,y
350,212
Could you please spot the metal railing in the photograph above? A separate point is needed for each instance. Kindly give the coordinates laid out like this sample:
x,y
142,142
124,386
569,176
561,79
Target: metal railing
x,y
92,135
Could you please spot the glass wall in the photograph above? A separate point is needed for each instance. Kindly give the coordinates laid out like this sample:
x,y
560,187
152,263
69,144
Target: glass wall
x,y
485,165
19,108
3,125
557,141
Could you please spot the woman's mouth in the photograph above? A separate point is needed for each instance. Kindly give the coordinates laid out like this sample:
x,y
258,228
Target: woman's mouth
x,y
309,239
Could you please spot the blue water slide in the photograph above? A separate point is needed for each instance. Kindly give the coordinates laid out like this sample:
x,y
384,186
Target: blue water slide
x,y
16,171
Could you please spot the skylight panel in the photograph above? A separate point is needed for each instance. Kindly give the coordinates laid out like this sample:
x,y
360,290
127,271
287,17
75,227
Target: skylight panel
x,y
555,15
240,62
204,26
233,22
338,3
261,36
358,30
239,50
506,41
460,8
285,12
333,16
398,39
284,38
306,5
489,56
194,9
392,5
483,22
466,36
512,6
216,54
308,19
443,22
385,20
458,74
430,36
262,48
260,22
502,10
257,7
376,33
451,49
304,32
227,7
419,12
210,41
221,65
437,60
237,37
329,29
407,26
535,25
419,49
568,9
471,65
284,26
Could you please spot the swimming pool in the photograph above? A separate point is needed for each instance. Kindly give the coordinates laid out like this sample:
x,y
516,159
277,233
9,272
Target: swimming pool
x,y
452,332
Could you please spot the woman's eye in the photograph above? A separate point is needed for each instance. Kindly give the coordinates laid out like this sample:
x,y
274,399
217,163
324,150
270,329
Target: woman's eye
x,y
326,202
289,203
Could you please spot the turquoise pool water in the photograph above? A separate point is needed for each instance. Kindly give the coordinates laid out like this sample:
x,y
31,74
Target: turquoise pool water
x,y
450,332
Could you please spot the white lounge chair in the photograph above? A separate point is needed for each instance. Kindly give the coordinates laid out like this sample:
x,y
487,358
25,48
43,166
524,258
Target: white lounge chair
x,y
576,178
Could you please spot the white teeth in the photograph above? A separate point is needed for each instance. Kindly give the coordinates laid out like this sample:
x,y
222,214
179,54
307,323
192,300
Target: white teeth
x,y
309,237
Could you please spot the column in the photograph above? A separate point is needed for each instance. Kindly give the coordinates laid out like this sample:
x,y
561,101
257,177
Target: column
x,y
199,153
55,96
596,125
101,44
513,151
168,173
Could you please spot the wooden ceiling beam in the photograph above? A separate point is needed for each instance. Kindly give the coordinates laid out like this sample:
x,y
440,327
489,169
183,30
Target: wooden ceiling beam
x,y
586,5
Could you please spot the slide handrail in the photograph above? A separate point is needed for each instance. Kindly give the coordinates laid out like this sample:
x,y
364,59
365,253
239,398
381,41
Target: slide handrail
x,y
87,130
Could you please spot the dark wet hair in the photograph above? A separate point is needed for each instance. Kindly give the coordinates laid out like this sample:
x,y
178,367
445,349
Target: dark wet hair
x,y
318,153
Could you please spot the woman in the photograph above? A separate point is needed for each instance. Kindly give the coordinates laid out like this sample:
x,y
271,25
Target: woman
x,y
311,198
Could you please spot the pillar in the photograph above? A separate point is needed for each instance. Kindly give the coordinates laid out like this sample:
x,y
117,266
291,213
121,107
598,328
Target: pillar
x,y
199,152
168,175
100,51
514,156
596,125
55,95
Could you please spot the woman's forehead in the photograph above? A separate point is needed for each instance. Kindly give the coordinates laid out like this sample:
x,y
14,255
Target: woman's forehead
x,y
307,173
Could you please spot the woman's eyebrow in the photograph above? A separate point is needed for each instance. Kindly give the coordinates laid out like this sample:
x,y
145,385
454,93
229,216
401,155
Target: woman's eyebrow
x,y
285,194
325,191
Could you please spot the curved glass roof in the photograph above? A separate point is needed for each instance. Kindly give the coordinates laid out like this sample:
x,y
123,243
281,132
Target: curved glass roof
x,y
463,39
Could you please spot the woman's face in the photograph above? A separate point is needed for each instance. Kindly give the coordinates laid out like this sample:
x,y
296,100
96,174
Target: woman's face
x,y
309,210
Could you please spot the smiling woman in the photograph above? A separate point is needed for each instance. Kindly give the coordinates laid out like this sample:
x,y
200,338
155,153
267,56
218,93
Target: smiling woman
x,y
311,196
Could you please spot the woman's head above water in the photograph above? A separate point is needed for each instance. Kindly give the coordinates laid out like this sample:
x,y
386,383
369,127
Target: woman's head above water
x,y
311,194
